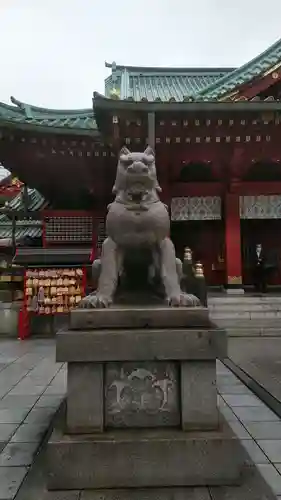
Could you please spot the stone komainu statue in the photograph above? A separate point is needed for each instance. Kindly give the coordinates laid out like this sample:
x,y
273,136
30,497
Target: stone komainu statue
x,y
138,253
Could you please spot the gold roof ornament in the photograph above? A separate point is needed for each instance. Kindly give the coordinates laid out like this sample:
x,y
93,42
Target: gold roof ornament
x,y
115,93
199,271
187,254
16,182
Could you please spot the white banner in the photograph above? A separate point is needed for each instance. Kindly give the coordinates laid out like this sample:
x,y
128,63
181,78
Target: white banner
x,y
196,208
260,207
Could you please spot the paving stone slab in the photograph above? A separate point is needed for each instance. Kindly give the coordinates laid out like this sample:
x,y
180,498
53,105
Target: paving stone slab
x,y
41,416
241,400
49,401
233,389
253,487
54,390
272,448
260,358
230,379
255,414
271,476
18,454
29,433
17,401
3,392
7,430
264,430
13,415
30,390
254,451
10,481
239,429
228,413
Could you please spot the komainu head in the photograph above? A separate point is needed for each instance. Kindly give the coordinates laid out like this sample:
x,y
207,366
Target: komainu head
x,y
136,170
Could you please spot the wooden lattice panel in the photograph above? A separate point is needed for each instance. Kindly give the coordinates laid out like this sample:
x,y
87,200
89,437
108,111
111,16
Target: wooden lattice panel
x,y
196,208
101,232
260,207
78,229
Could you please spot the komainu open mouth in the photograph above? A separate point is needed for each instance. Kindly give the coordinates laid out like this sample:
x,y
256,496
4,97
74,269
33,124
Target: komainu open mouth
x,y
136,197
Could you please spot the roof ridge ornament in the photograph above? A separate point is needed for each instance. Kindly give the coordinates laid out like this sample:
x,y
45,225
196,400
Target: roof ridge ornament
x,y
26,108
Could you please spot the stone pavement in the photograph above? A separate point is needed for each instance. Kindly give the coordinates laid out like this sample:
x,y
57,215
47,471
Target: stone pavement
x,y
32,386
258,428
260,357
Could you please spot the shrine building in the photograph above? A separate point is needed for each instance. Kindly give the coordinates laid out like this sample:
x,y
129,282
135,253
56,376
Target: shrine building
x,y
216,135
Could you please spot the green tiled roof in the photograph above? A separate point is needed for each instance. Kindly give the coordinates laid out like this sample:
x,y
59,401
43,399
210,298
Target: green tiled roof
x,y
165,84
32,228
179,84
257,66
36,201
65,121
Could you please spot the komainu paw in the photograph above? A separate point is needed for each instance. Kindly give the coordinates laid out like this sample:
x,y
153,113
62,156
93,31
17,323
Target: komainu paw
x,y
174,300
189,300
95,301
183,300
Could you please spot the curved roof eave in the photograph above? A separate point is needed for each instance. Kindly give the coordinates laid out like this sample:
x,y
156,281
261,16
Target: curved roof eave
x,y
49,129
252,69
49,111
169,69
28,117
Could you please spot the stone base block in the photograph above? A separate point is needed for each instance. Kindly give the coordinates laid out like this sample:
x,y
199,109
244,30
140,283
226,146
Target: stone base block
x,y
140,317
105,345
144,459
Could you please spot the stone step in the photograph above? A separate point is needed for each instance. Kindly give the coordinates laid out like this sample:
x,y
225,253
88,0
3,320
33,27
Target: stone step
x,y
244,299
242,323
253,332
246,315
245,307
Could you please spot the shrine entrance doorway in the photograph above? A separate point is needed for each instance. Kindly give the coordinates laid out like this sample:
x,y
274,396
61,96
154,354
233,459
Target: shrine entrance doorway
x,y
268,233
261,223
196,222
206,240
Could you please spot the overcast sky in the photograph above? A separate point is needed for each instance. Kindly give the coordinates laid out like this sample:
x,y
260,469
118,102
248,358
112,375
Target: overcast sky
x,y
53,51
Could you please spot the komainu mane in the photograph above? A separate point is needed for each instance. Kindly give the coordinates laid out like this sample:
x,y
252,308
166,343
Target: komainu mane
x,y
138,251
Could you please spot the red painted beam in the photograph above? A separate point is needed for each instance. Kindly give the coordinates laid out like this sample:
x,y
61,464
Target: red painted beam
x,y
233,240
66,213
9,190
256,188
196,189
257,86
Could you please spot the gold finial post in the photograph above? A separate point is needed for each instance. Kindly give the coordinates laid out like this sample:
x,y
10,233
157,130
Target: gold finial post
x,y
199,271
187,254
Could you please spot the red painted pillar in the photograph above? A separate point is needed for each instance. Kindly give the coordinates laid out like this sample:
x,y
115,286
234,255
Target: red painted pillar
x,y
233,243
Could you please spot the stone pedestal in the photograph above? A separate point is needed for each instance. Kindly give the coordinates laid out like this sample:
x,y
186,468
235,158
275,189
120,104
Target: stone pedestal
x,y
142,402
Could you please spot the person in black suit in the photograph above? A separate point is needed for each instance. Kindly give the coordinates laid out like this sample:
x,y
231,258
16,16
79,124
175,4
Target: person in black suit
x,y
259,269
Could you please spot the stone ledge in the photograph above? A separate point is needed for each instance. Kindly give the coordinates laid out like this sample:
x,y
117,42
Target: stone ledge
x,y
144,459
140,317
131,345
146,494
